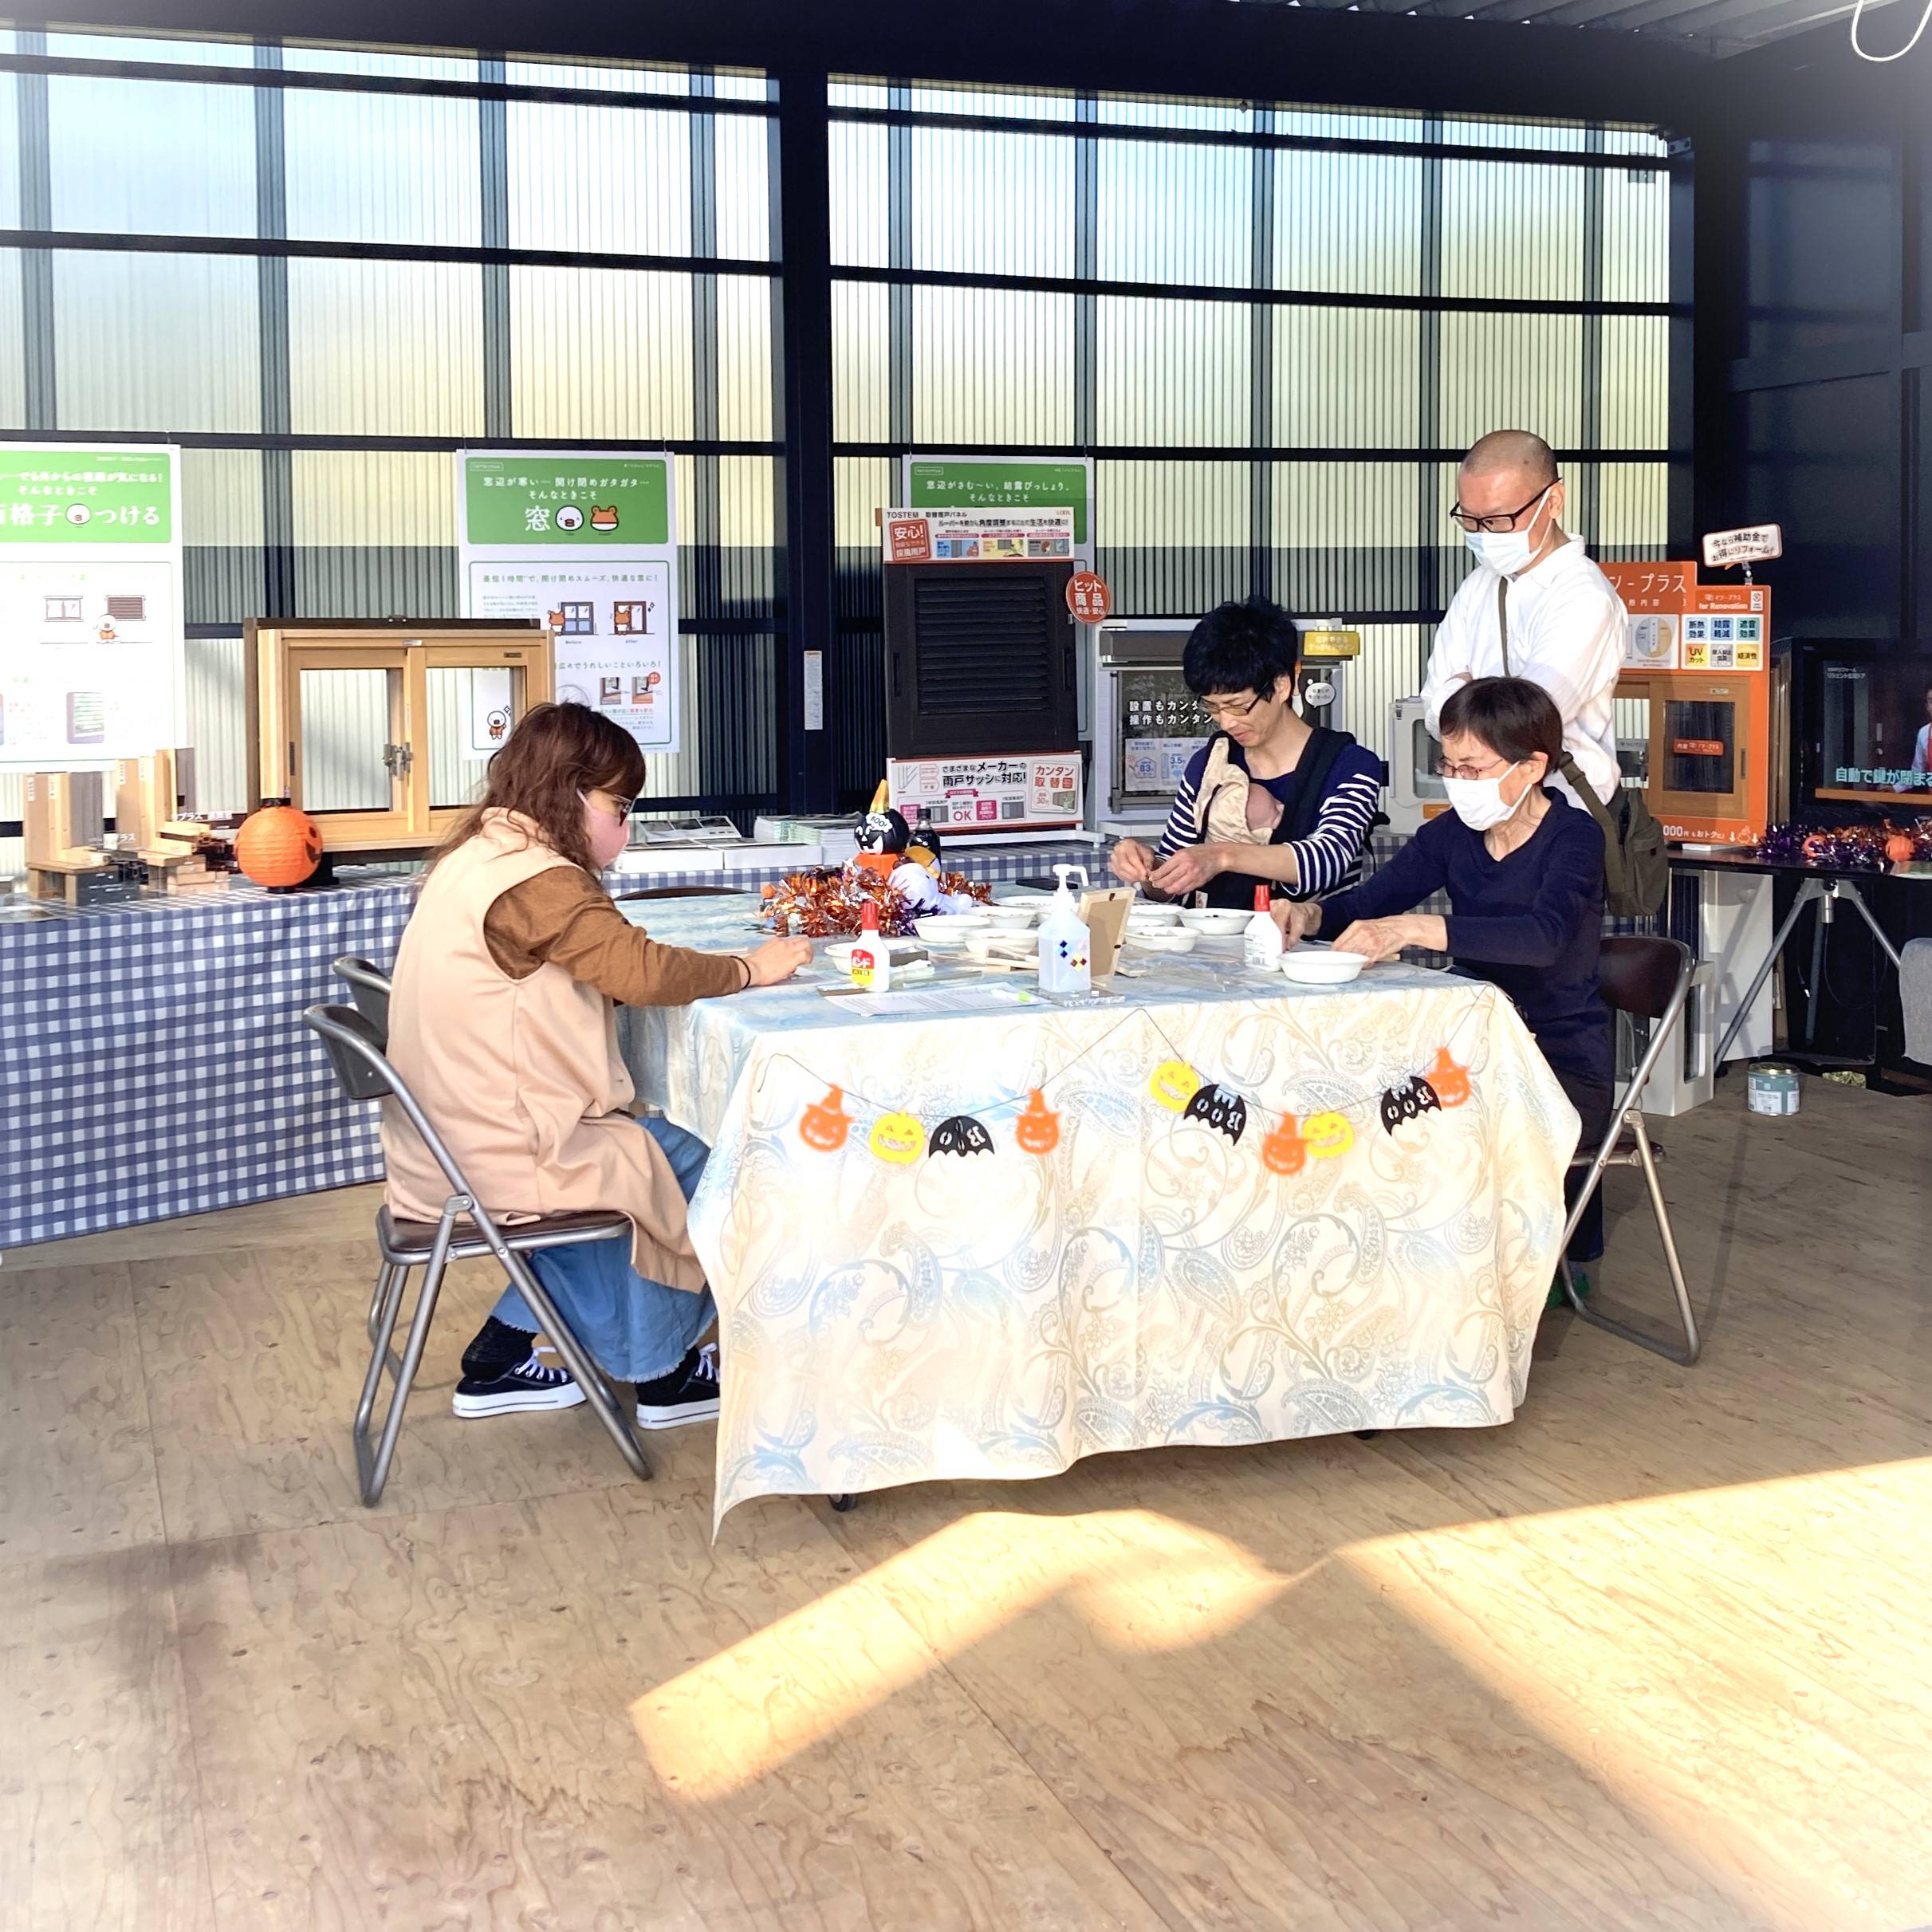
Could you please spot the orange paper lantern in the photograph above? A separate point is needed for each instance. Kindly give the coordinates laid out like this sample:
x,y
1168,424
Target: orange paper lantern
x,y
1038,1131
1450,1081
278,846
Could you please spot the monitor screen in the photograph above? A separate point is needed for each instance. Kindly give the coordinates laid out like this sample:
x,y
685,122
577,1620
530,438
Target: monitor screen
x,y
1875,726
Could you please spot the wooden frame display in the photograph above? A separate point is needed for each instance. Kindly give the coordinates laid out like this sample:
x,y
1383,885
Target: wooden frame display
x,y
278,654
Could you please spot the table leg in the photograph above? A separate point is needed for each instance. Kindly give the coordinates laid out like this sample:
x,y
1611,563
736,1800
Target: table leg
x,y
1810,890
1819,926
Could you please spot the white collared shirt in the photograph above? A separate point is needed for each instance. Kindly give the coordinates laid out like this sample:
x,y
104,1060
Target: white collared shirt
x,y
1567,626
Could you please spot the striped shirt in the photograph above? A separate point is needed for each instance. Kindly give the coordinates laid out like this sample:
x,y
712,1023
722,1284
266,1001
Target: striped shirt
x,y
1329,860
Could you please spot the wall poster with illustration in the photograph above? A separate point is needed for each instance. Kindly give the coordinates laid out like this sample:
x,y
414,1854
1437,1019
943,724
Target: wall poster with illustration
x,y
586,543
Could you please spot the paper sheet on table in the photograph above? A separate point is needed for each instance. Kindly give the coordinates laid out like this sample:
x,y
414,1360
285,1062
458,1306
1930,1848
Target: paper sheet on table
x,y
929,1001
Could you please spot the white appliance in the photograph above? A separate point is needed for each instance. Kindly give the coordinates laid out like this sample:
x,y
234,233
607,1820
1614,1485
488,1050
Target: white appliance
x,y
1734,931
1146,724
1414,792
1686,1073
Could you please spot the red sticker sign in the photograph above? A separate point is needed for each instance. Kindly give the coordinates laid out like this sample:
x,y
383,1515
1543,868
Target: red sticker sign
x,y
1088,598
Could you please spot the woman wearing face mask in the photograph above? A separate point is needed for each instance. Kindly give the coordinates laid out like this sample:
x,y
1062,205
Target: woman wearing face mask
x,y
1524,872
502,1018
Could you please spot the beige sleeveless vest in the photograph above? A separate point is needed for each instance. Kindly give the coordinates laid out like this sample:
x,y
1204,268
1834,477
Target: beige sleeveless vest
x,y
521,1077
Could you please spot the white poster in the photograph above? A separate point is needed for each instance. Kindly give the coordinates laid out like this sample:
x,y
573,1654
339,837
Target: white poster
x,y
586,544
91,665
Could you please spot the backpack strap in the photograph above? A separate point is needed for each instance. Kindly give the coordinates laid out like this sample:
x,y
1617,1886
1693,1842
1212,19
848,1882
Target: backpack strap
x,y
1502,620
1324,746
1615,866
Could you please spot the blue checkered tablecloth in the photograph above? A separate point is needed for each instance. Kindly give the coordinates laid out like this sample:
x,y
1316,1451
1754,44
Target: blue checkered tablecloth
x,y
153,1062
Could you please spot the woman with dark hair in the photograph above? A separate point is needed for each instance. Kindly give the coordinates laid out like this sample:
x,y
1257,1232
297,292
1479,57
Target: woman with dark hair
x,y
1269,800
502,1017
1524,872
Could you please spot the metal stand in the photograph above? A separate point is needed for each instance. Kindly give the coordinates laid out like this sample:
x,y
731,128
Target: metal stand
x,y
1826,892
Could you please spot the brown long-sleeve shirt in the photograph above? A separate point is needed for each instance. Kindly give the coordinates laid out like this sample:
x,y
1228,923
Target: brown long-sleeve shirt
x,y
563,917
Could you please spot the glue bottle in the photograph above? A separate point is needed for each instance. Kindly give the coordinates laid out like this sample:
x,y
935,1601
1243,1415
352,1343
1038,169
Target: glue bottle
x,y
1066,963
871,953
1261,943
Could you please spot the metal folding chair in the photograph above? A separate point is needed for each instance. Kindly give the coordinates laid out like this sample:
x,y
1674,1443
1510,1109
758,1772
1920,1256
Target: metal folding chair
x,y
368,986
465,1231
1650,979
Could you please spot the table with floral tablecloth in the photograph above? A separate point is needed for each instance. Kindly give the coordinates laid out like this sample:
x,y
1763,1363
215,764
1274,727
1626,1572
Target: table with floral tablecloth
x,y
1213,1208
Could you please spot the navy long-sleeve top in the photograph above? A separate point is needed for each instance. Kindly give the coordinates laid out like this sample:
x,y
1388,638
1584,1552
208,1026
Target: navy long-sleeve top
x,y
1531,923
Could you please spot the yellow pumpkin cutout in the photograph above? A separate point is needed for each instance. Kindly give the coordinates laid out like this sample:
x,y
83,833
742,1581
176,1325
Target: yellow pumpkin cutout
x,y
1284,1151
1174,1084
1328,1136
825,1124
1038,1129
1450,1081
897,1138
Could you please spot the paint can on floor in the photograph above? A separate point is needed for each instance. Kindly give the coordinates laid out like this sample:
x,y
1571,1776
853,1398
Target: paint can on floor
x,y
1772,1089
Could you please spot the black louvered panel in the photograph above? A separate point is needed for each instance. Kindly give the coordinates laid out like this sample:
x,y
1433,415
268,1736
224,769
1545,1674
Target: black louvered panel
x,y
979,660
977,636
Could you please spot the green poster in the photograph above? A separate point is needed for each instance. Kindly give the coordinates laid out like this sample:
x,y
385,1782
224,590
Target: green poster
x,y
82,496
999,483
573,501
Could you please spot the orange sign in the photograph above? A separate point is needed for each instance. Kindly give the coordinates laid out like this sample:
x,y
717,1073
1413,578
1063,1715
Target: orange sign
x,y
908,540
1697,747
1088,598
1677,623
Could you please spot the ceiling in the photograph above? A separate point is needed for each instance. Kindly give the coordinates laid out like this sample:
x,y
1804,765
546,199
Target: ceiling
x,y
1713,26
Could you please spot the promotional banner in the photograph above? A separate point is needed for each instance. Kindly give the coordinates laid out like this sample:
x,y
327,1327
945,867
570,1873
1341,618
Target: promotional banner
x,y
1005,482
1026,792
91,664
975,536
586,543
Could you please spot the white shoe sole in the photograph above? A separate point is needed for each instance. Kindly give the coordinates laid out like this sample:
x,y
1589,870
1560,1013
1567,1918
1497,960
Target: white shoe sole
x,y
471,1407
677,1418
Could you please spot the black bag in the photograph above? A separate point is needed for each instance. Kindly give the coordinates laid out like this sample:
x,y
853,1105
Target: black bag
x,y
1636,867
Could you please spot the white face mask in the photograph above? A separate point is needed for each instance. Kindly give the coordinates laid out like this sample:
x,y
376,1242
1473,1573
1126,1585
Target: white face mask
x,y
1479,802
1507,551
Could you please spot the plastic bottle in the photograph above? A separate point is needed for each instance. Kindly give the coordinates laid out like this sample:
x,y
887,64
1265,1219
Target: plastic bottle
x,y
1261,945
871,953
1066,963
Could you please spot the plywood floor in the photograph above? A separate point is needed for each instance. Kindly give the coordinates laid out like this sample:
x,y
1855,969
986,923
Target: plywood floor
x,y
1655,1656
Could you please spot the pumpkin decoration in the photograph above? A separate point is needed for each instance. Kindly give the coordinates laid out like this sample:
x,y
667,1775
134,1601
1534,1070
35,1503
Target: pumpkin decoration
x,y
1216,1107
279,846
1174,1084
1284,1151
961,1135
1408,1102
1450,1081
1901,848
825,1123
897,1138
1328,1136
1038,1129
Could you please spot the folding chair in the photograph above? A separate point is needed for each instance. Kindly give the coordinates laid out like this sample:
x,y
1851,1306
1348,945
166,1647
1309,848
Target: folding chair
x,y
463,1232
368,986
1650,979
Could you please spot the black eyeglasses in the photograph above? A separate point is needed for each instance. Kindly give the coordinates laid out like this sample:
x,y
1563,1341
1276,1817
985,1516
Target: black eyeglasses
x,y
1496,525
1223,712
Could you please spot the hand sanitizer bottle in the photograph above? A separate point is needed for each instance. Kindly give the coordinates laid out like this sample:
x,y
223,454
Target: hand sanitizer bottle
x,y
1065,960
871,953
1261,938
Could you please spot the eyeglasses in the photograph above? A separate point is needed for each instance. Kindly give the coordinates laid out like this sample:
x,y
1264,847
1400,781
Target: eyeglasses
x,y
623,807
1496,525
1229,712
1444,769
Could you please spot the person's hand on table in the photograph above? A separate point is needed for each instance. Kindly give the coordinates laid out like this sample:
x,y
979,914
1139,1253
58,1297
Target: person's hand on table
x,y
775,960
1190,869
1379,939
1131,862
1298,919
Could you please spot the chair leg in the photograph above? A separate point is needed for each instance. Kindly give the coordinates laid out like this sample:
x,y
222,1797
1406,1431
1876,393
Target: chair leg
x,y
1694,1345
388,1286
373,1468
589,1377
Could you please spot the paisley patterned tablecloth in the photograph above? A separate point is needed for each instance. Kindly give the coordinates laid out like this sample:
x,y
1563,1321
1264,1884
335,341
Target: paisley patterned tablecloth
x,y
1218,1209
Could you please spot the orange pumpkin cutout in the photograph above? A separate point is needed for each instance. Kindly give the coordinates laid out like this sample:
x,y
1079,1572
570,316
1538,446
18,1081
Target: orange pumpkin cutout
x,y
1038,1131
1901,848
1450,1081
278,846
825,1124
1284,1151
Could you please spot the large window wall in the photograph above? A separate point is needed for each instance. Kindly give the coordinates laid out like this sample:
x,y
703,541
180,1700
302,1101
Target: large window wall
x,y
322,270
1274,328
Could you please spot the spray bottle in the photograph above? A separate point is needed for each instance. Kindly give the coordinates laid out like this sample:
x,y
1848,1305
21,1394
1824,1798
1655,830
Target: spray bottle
x,y
1065,945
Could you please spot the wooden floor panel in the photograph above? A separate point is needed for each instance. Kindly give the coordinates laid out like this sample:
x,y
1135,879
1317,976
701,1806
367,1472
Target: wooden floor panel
x,y
1653,1658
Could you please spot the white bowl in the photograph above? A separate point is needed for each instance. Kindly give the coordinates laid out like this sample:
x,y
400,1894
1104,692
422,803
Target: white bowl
x,y
1320,967
1019,946
1222,919
949,928
1173,942
1152,918
1010,918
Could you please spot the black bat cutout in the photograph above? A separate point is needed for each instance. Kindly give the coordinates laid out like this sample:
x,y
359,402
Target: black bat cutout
x,y
962,1134
1401,1104
1225,1113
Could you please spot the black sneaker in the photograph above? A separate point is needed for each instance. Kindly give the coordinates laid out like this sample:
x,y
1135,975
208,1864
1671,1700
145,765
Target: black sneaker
x,y
496,1347
527,1386
689,1394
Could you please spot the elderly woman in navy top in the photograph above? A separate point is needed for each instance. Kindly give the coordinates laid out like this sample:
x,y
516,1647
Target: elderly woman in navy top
x,y
1523,871
1268,800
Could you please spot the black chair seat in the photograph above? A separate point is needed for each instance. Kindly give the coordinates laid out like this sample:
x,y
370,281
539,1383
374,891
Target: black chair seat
x,y
410,1243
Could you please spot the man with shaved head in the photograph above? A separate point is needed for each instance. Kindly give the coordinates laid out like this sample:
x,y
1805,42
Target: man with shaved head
x,y
1565,623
